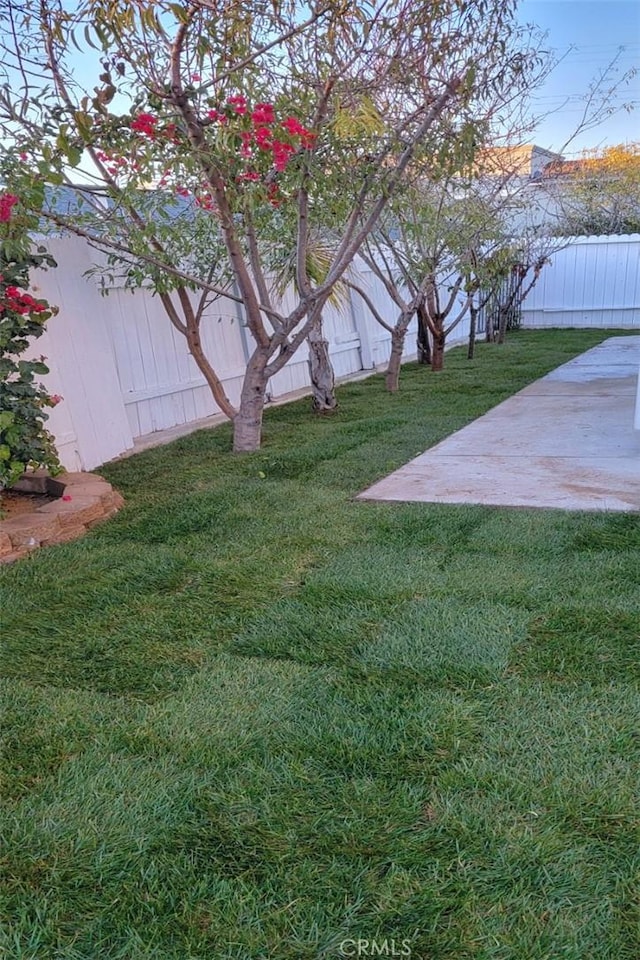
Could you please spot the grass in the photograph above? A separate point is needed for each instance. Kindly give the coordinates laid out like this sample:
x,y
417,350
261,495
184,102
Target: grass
x,y
252,717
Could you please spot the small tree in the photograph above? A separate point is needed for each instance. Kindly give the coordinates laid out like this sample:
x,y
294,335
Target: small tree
x,y
24,441
424,261
432,232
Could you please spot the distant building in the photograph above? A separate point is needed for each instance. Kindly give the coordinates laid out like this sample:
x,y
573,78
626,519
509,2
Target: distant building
x,y
525,160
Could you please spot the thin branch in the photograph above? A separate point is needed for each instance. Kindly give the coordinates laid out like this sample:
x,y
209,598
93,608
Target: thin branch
x,y
256,266
386,279
369,302
399,260
462,313
172,313
102,243
452,299
255,54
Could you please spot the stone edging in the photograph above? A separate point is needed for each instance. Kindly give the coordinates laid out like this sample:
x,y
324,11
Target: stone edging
x,y
84,499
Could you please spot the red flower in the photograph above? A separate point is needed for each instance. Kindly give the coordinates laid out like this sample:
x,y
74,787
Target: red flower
x,y
239,104
206,202
7,203
263,113
54,400
263,138
293,126
281,154
22,303
145,123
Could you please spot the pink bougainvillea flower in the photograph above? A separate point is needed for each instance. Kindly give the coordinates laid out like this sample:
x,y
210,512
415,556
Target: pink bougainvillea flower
x,y
196,77
55,399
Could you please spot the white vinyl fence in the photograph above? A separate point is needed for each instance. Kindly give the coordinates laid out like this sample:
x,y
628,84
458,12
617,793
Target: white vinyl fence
x,y
125,372
594,282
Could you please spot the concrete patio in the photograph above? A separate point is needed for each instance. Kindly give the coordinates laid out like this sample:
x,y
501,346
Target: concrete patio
x,y
565,441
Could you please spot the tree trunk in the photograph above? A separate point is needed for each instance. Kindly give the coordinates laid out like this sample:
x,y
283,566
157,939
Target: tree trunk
x,y
489,333
437,354
502,324
323,381
213,381
423,342
247,423
490,308
473,325
392,376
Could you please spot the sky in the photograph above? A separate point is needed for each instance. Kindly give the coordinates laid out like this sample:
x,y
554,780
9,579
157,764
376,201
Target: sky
x,y
593,31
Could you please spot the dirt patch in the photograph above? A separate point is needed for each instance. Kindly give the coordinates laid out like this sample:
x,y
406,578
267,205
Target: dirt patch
x,y
14,504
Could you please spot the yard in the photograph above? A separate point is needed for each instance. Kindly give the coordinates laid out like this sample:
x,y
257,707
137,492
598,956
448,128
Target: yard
x,y
253,718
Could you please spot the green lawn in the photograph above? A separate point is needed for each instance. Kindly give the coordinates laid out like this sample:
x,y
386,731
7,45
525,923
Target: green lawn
x,y
251,717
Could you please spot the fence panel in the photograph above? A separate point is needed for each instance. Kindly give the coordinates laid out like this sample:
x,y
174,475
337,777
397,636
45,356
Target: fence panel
x,y
160,382
593,282
93,419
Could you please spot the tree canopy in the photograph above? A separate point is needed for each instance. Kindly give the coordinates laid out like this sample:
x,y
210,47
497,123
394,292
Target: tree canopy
x,y
600,193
